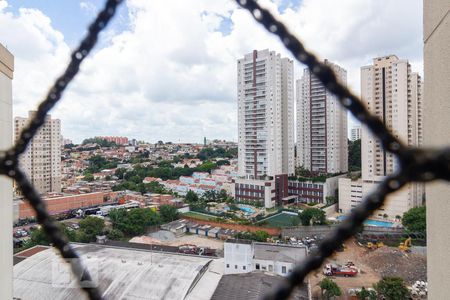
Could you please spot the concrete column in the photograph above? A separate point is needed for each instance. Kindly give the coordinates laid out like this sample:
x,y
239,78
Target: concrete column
x,y
437,134
6,185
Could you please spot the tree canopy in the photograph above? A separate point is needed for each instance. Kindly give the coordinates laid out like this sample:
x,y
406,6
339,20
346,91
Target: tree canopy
x,y
135,221
329,288
312,216
354,155
209,153
191,197
415,219
91,227
365,294
259,236
99,141
168,213
392,288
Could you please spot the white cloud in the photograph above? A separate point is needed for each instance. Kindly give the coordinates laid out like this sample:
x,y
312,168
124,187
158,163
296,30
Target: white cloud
x,y
88,7
171,74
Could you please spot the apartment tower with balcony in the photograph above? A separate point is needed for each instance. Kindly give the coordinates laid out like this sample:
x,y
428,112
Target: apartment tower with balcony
x,y
392,92
265,114
321,125
42,159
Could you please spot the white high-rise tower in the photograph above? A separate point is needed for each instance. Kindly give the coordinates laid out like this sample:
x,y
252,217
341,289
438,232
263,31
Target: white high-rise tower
x,y
393,93
321,125
265,114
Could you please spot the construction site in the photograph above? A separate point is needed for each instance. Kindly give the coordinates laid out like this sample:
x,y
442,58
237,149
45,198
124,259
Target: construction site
x,y
364,264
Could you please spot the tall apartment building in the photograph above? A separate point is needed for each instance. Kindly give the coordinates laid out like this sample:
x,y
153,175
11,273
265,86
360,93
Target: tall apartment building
x,y
355,133
321,125
265,114
393,93
6,185
42,159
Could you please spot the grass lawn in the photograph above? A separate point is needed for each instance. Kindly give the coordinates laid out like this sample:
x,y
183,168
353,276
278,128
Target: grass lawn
x,y
281,220
200,216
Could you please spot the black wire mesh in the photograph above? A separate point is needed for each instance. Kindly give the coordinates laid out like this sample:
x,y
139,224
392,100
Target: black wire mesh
x,y
420,165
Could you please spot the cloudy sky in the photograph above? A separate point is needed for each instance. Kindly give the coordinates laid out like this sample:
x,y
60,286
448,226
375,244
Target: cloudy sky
x,y
166,69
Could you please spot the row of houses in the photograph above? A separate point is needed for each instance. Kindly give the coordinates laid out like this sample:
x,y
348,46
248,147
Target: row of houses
x,y
200,182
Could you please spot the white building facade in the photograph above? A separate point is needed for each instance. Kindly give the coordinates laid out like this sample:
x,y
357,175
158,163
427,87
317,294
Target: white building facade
x,y
321,125
355,133
265,114
243,256
42,159
6,184
255,191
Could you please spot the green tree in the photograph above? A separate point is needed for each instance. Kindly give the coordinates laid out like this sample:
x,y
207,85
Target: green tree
x,y
223,162
354,155
38,237
259,236
414,220
100,142
207,166
392,288
365,294
120,173
168,213
331,200
312,216
210,196
91,227
70,233
329,288
88,177
222,197
191,197
135,221
115,235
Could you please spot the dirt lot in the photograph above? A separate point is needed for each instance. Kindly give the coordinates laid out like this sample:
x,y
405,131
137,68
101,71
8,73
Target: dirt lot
x,y
392,262
196,240
167,238
366,277
372,265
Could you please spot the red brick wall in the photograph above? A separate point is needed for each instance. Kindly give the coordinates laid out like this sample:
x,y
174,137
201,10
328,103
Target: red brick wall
x,y
62,204
238,227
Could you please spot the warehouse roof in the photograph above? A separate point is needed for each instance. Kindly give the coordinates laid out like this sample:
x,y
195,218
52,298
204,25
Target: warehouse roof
x,y
252,286
120,273
279,252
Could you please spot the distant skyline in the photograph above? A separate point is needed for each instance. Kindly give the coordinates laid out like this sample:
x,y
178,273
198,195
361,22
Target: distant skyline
x,y
167,70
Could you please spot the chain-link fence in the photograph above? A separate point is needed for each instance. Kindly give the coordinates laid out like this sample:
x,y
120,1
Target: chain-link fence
x,y
420,165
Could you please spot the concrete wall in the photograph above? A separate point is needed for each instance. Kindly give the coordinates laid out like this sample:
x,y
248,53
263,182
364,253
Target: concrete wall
x,y
238,258
437,134
330,210
6,185
274,266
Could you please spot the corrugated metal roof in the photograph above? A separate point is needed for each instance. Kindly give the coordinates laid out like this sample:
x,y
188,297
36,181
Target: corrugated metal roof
x,y
122,273
251,286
